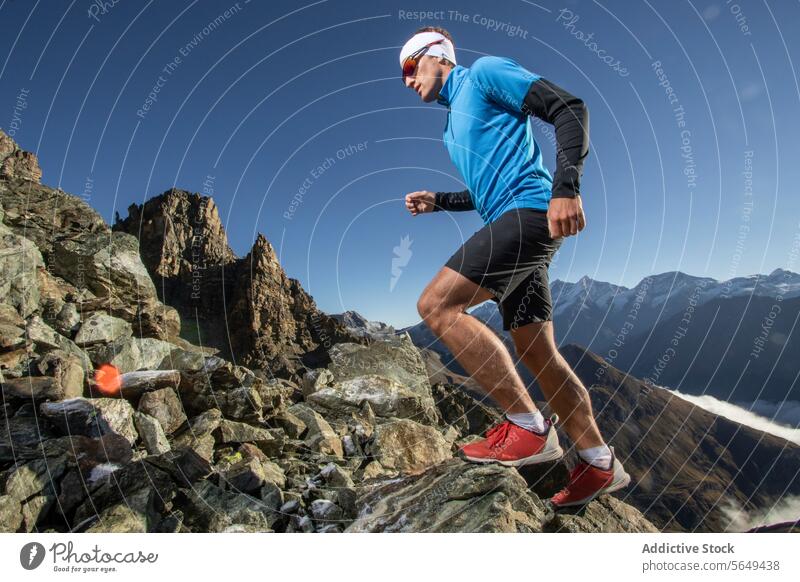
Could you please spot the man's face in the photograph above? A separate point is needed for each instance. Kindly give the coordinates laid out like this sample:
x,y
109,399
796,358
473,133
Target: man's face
x,y
428,79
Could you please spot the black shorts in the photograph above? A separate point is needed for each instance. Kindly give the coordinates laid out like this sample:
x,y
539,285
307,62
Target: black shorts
x,y
510,258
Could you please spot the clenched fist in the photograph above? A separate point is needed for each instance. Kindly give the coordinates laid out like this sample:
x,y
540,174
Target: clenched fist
x,y
565,216
420,201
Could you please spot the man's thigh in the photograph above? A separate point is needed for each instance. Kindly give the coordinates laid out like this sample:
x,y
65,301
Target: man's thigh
x,y
451,289
530,301
502,254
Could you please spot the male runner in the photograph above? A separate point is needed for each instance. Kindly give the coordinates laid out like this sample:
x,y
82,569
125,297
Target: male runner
x,y
526,214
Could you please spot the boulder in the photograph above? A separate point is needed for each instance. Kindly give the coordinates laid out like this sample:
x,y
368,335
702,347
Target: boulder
x,y
240,432
605,514
36,509
68,369
92,417
68,320
20,261
10,514
332,475
151,432
408,447
393,357
250,474
47,339
123,517
21,436
165,406
123,354
328,516
32,387
82,452
220,384
182,464
107,264
467,414
208,508
137,384
130,354
319,436
291,424
145,486
11,336
453,496
315,379
102,328
243,404
386,397
199,435
35,477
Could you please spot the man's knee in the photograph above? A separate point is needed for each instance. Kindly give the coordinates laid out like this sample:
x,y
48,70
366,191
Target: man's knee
x,y
431,305
428,305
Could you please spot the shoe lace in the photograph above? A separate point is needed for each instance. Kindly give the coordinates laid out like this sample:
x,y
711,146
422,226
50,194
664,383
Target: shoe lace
x,y
497,434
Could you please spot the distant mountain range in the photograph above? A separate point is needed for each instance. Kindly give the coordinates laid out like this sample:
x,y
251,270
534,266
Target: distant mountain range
x,y
361,326
733,339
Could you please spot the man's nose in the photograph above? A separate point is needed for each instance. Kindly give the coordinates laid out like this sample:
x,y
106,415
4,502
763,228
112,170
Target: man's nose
x,y
409,81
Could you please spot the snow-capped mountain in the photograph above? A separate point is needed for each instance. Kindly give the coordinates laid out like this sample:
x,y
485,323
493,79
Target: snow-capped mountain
x,y
360,325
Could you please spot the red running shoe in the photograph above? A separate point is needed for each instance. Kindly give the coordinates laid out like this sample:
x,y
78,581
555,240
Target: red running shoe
x,y
586,482
514,446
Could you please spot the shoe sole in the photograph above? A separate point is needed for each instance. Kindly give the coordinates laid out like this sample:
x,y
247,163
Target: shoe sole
x,y
615,485
551,455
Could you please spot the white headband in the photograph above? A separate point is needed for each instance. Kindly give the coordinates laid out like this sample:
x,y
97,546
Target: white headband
x,y
443,49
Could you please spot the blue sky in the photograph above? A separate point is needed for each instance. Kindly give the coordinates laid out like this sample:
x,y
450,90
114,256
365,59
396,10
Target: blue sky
x,y
293,107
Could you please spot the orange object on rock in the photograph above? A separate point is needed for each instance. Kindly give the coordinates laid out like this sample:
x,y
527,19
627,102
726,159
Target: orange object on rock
x,y
108,379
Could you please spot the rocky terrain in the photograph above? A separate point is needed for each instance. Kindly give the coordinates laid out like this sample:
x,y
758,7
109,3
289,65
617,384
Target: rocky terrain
x,y
313,429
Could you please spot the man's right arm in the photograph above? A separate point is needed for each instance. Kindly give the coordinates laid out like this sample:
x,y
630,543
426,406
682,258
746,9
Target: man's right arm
x,y
453,201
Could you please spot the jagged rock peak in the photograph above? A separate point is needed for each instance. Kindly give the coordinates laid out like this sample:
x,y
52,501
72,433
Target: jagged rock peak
x,y
16,162
264,255
245,307
177,231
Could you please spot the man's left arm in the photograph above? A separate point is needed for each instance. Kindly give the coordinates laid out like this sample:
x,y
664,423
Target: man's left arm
x,y
570,117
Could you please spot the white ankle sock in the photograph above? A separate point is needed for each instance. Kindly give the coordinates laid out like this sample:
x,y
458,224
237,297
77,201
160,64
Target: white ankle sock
x,y
529,420
597,456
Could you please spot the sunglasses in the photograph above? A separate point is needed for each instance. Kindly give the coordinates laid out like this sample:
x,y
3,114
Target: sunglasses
x,y
411,62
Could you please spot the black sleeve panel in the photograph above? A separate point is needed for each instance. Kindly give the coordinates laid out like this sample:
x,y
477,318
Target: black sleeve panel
x,y
453,201
570,117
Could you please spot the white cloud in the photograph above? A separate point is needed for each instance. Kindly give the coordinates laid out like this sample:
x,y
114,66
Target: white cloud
x,y
750,418
787,412
785,509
